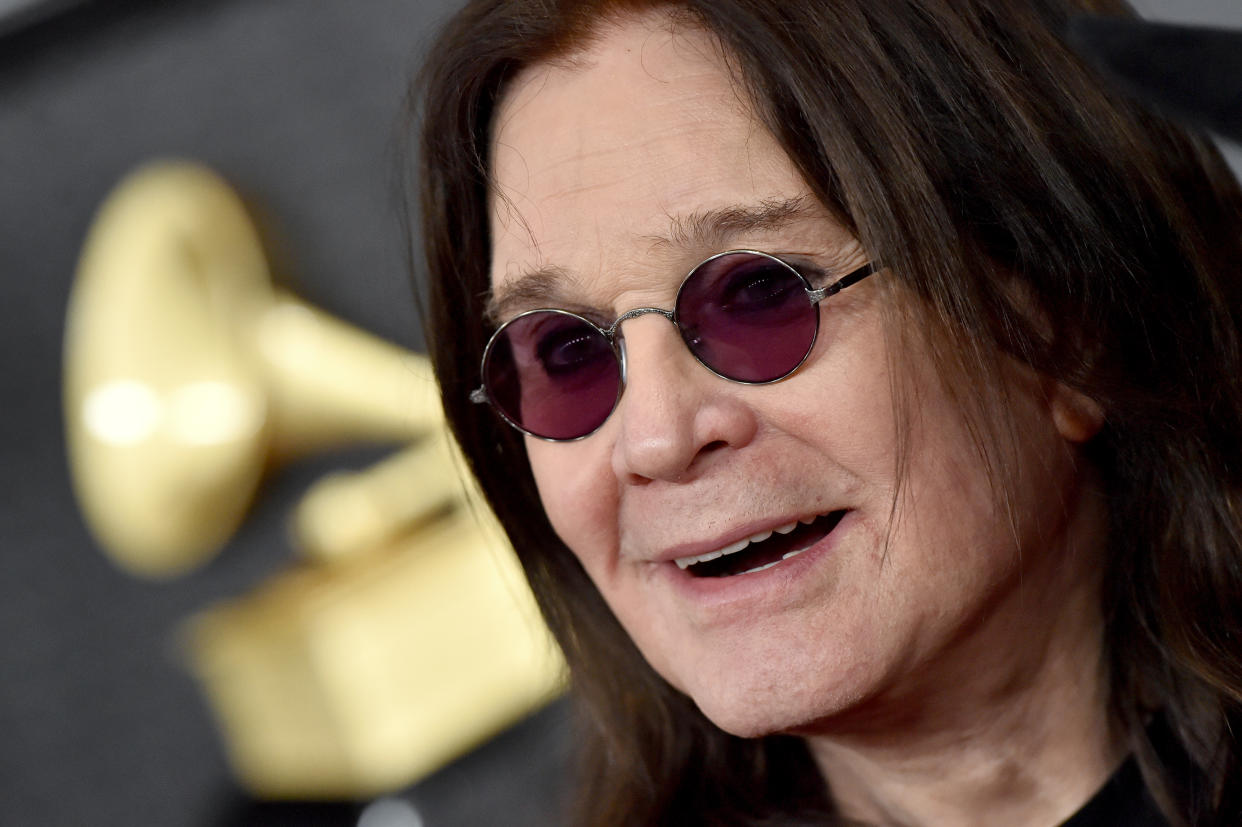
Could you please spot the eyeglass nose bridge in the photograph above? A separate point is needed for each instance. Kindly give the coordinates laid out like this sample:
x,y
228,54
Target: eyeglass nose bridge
x,y
611,330
618,342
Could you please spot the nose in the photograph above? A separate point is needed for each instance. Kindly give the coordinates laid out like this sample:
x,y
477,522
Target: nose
x,y
675,417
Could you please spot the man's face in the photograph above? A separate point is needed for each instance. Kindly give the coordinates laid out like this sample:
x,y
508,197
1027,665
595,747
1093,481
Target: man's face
x,y
616,174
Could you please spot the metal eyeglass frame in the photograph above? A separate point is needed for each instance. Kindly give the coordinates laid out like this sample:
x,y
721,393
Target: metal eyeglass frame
x,y
816,295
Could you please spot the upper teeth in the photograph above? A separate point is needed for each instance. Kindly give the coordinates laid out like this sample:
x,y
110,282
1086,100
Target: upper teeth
x,y
733,548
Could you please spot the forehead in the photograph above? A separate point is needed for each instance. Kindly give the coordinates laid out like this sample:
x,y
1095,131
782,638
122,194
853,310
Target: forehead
x,y
602,163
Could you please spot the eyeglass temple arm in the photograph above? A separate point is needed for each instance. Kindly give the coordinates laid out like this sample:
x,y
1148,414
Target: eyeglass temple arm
x,y
853,277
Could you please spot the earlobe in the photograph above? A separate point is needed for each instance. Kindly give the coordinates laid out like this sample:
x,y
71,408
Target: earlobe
x,y
1077,417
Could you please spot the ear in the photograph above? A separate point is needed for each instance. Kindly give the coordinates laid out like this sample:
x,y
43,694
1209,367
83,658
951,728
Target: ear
x,y
1077,417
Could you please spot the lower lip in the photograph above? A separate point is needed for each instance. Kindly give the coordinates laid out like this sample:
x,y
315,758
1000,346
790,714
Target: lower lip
x,y
759,585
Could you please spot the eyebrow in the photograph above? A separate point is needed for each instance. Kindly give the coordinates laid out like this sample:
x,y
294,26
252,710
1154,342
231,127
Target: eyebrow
x,y
706,230
710,228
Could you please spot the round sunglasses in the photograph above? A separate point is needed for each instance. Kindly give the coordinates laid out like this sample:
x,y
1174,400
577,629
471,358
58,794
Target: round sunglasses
x,y
747,316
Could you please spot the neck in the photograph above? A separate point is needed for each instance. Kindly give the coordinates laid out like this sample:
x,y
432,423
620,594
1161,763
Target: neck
x,y
997,735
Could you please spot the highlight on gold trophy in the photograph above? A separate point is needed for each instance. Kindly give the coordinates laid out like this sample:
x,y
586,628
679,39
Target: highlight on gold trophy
x,y
186,372
405,634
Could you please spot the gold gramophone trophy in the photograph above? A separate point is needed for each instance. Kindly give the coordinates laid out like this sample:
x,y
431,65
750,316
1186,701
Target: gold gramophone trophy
x,y
406,634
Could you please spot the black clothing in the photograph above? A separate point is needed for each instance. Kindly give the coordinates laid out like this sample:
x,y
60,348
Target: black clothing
x,y
1123,801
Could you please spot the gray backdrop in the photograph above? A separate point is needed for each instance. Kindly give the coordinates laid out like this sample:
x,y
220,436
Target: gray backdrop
x,y
298,104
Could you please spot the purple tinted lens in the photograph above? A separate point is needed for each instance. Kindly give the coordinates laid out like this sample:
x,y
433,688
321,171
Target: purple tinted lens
x,y
747,317
553,374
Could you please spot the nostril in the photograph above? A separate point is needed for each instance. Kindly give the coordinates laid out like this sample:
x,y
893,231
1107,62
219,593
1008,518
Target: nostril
x,y
713,446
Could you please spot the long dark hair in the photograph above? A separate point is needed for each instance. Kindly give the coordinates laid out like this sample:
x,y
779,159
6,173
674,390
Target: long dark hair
x,y
970,149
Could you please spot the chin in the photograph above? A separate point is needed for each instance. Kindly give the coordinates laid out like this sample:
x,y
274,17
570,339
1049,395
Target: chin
x,y
755,711
752,722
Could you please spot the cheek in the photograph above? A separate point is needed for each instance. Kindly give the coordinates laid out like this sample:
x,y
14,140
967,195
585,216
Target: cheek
x,y
978,519
579,496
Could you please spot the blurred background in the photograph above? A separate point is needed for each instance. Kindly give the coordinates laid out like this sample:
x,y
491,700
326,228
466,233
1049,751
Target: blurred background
x,y
299,106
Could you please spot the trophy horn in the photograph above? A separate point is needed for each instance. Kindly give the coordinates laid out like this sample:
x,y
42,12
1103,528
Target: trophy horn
x,y
186,372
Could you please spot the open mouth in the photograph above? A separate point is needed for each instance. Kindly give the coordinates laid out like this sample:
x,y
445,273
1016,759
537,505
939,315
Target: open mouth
x,y
762,551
